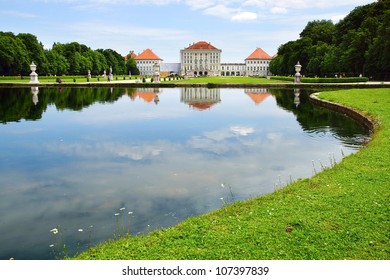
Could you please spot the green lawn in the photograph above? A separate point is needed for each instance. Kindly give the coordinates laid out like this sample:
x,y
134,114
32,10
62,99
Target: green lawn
x,y
65,79
229,80
341,213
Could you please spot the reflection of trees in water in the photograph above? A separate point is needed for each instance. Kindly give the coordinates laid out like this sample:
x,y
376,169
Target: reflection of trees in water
x,y
315,119
17,104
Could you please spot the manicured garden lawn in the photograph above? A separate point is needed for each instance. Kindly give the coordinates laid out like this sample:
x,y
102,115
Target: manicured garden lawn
x,y
340,213
229,80
64,79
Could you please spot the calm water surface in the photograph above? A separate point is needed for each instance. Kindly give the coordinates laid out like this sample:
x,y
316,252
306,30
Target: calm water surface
x,y
72,158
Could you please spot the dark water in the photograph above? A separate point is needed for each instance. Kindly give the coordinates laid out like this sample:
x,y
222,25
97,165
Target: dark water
x,y
72,158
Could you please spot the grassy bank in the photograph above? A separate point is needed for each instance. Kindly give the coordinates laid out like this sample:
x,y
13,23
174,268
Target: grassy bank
x,y
323,80
64,79
229,80
341,213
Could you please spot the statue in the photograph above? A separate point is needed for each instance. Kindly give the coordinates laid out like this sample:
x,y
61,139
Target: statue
x,y
156,74
110,76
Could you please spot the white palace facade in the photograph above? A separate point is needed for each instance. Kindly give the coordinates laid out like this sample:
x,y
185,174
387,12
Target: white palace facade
x,y
203,59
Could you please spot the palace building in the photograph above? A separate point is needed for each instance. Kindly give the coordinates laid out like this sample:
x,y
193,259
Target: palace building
x,y
257,64
200,59
204,59
145,62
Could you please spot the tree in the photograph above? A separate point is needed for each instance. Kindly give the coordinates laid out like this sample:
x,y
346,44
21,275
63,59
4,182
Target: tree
x,y
115,60
57,63
358,44
35,51
319,31
131,65
99,63
378,54
14,59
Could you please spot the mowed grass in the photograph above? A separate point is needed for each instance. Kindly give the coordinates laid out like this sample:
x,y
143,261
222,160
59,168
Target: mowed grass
x,y
64,79
341,213
229,80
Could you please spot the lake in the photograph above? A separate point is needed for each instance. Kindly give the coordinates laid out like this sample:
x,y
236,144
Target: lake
x,y
96,163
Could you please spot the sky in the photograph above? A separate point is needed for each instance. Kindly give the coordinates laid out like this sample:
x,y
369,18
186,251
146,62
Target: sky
x,y
167,26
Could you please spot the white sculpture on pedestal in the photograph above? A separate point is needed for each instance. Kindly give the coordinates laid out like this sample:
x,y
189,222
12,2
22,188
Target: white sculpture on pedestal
x,y
297,78
33,75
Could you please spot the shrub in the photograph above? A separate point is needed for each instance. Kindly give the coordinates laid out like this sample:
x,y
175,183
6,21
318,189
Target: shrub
x,y
335,80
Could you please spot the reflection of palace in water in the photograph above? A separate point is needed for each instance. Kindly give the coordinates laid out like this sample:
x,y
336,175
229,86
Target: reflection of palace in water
x,y
200,98
147,94
258,95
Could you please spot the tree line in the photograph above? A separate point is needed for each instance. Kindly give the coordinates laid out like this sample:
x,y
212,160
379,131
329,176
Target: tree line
x,y
14,107
18,51
358,44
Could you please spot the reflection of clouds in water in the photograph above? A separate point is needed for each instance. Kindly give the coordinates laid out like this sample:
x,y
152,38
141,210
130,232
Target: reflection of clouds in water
x,y
223,140
104,150
127,111
89,175
242,130
232,131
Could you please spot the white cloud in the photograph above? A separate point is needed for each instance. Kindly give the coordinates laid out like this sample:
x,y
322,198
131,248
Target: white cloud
x,y
337,18
95,33
220,11
254,3
244,16
199,4
18,14
278,10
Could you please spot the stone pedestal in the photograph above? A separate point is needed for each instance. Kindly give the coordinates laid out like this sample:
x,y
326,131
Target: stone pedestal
x,y
156,73
297,78
33,75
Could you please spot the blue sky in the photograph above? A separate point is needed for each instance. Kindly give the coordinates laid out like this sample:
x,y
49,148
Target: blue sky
x,y
166,26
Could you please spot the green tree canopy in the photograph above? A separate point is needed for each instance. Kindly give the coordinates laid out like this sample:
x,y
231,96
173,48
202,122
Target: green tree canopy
x,y
35,51
18,51
14,58
358,44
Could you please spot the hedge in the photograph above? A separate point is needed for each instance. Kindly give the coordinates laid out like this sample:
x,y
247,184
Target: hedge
x,y
323,80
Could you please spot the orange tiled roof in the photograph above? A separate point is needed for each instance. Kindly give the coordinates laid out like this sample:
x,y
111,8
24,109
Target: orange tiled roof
x,y
201,106
258,54
258,97
147,54
145,95
201,45
130,55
